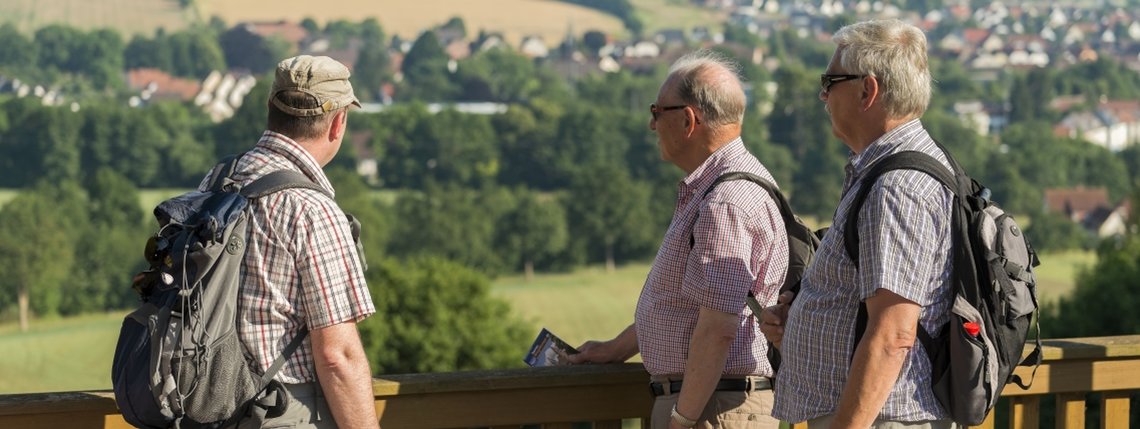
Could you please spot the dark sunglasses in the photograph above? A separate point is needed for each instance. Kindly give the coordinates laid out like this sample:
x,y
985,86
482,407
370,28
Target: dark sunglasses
x,y
654,109
826,80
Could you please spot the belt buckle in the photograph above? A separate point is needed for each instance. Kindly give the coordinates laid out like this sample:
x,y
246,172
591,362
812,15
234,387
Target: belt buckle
x,y
748,384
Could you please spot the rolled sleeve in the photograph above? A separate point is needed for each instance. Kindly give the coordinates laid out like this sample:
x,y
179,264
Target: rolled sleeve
x,y
721,272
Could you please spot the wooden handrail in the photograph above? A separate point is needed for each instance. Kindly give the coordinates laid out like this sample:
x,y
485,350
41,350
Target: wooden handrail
x,y
605,394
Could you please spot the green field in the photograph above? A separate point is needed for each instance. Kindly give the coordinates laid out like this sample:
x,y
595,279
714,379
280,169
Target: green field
x,y
126,16
676,14
75,353
7,195
59,355
588,304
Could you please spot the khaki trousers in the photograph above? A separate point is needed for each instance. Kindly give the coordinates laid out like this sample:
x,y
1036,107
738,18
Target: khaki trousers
x,y
304,408
728,410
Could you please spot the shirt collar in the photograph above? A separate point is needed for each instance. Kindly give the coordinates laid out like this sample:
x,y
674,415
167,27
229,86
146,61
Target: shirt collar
x,y
282,145
716,164
886,144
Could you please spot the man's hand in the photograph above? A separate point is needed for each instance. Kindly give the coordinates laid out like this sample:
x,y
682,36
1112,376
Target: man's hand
x,y
772,318
617,350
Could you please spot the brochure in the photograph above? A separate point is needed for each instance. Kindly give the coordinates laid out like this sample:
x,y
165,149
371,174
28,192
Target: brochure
x,y
548,350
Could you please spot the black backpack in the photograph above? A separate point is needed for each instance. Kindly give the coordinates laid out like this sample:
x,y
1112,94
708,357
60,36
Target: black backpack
x,y
802,243
179,361
995,292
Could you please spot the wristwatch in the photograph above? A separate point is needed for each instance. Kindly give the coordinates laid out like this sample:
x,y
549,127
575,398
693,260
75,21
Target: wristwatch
x,y
682,420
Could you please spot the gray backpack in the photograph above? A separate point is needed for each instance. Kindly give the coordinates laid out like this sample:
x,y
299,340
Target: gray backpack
x,y
179,361
995,292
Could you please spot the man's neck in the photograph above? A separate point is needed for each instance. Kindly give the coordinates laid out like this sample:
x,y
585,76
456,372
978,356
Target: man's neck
x,y
703,148
874,131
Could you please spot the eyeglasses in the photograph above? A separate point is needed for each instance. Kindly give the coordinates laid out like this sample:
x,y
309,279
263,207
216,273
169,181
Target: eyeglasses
x,y
827,80
654,109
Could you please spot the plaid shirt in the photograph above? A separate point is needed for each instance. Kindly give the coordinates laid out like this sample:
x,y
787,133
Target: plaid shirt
x,y
904,226
300,266
738,245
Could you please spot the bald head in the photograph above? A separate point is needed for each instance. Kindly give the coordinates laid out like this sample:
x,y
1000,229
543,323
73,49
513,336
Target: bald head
x,y
709,82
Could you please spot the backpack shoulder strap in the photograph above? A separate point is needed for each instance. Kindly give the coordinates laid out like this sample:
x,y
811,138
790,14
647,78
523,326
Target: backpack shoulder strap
x,y
906,160
777,196
280,180
222,173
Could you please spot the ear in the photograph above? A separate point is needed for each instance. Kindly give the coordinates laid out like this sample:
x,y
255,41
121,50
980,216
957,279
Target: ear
x,y
691,121
338,125
870,92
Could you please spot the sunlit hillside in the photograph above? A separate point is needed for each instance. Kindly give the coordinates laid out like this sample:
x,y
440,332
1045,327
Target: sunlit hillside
x,y
514,18
126,16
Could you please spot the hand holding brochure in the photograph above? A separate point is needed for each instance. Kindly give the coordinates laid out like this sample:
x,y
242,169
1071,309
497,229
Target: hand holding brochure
x,y
548,350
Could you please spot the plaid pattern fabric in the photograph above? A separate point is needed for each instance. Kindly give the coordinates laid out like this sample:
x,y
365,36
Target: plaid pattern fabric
x,y
300,266
904,230
738,244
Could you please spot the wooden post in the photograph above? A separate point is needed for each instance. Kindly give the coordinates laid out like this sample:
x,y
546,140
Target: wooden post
x,y
1114,409
1024,412
1070,410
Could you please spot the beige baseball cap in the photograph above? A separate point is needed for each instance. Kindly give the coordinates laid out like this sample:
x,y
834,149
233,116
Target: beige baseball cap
x,y
322,77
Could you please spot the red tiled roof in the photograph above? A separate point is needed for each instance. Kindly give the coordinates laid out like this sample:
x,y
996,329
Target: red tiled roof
x,y
168,86
975,36
1075,202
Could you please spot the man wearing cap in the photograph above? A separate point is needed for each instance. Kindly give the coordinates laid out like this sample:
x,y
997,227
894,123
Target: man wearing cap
x,y
301,268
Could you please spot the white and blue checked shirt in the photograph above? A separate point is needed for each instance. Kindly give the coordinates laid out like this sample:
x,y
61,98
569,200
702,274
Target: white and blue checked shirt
x,y
904,231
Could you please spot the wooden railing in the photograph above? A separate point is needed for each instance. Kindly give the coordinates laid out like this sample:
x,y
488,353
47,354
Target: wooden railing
x,y
607,394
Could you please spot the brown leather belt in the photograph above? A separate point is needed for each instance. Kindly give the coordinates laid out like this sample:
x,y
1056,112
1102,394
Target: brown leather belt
x,y
724,385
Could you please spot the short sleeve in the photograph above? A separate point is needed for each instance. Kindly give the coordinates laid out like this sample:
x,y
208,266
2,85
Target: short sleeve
x,y
333,288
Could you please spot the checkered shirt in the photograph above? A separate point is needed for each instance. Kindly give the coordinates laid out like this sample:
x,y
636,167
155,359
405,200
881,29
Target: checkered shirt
x,y
300,268
738,245
904,230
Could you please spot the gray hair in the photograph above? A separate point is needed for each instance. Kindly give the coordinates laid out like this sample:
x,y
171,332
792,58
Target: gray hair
x,y
895,53
710,82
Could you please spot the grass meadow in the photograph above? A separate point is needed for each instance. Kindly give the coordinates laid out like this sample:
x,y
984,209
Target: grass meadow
x,y
126,16
75,353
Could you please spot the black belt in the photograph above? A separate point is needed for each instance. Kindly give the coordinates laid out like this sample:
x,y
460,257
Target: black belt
x,y
725,385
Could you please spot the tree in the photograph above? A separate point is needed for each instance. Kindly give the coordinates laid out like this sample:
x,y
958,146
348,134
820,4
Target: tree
x,y
1104,299
1054,232
450,222
373,65
594,41
535,229
433,315
607,211
457,25
36,251
497,75
16,50
799,123
426,73
107,253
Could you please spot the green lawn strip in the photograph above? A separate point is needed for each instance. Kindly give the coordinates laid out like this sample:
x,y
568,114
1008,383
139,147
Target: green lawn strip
x,y
59,355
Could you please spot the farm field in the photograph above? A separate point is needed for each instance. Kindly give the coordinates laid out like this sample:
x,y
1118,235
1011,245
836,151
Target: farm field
x,y
127,16
662,14
515,19
76,353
